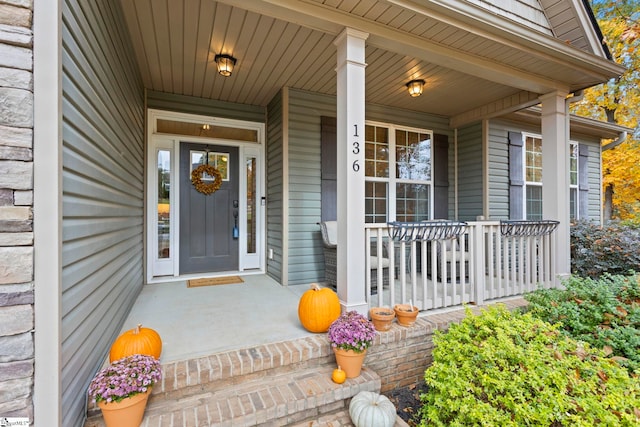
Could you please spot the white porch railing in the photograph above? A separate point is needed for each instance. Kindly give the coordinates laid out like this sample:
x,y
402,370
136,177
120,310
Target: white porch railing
x,y
488,260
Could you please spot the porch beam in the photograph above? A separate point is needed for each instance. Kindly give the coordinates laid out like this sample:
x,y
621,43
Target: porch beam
x,y
350,169
555,173
506,105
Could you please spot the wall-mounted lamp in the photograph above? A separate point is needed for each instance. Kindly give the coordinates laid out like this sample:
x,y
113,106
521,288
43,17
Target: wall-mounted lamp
x,y
225,64
415,87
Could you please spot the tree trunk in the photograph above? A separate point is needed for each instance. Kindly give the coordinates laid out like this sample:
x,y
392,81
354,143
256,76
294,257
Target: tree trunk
x,y
608,203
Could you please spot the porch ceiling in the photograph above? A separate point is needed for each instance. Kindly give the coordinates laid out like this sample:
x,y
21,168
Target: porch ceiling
x,y
468,62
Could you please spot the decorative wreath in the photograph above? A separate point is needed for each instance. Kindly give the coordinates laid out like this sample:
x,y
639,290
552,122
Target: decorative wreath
x,y
205,187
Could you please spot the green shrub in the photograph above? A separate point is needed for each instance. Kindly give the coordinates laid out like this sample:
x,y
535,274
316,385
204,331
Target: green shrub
x,y
512,369
605,313
597,250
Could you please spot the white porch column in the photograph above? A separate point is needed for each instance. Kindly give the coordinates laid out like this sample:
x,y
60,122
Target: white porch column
x,y
555,174
350,169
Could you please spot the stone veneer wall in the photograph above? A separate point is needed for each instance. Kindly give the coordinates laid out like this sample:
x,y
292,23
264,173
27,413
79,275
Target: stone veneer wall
x,y
16,209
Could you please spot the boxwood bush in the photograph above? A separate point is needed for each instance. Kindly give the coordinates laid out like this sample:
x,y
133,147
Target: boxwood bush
x,y
604,312
511,369
611,249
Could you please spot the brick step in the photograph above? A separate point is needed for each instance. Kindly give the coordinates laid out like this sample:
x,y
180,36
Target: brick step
x,y
220,371
338,418
273,400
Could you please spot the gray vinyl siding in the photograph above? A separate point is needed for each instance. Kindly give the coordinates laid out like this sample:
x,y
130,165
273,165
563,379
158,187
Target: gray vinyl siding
x,y
470,180
595,183
593,176
102,181
498,149
306,259
499,168
204,107
275,214
499,165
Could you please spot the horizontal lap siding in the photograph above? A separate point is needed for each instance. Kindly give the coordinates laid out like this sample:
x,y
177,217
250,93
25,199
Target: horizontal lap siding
x,y
498,171
499,165
102,181
593,176
470,179
274,153
306,258
595,183
204,107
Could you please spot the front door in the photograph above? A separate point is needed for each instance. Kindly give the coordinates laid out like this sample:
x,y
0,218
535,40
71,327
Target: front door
x,y
209,222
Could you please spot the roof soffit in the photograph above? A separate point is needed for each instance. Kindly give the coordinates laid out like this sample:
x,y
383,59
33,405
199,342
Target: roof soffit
x,y
481,22
577,65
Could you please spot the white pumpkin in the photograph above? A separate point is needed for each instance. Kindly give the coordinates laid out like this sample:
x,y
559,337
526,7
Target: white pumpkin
x,y
368,409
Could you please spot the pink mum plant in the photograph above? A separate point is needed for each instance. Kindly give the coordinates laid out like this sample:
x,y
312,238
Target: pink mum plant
x,y
352,331
124,378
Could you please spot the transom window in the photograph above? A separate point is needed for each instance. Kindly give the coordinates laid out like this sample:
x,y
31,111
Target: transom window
x,y
398,174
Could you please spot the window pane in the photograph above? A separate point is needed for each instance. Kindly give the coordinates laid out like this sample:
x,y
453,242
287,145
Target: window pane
x,y
534,159
375,206
412,202
164,211
220,161
376,152
413,156
573,163
573,203
534,202
251,205
206,130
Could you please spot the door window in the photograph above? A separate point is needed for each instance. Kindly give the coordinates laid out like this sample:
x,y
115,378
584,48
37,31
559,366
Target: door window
x,y
164,204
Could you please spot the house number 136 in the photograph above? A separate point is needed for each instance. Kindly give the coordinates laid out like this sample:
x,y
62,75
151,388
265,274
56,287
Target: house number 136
x,y
356,150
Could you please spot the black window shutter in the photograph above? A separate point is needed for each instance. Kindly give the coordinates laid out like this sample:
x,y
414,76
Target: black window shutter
x,y
516,176
440,176
329,155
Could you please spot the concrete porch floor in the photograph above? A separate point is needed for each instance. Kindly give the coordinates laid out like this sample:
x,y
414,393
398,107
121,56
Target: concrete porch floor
x,y
205,320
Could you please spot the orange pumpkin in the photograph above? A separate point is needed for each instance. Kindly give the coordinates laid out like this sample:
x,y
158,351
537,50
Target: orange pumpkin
x,y
136,341
318,308
338,376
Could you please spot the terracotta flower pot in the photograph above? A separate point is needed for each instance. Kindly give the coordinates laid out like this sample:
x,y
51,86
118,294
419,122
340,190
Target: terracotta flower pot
x,y
406,314
382,317
350,361
126,413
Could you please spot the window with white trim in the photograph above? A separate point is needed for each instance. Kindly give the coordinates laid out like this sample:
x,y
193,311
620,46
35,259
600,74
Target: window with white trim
x,y
533,177
574,193
398,174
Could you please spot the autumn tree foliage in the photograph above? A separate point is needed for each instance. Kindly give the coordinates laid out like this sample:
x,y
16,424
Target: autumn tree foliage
x,y
618,101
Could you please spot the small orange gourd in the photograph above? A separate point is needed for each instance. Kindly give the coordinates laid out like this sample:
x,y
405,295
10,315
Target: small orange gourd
x,y
318,308
136,341
338,376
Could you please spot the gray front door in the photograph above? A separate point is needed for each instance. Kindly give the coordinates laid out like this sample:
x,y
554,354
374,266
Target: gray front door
x,y
208,222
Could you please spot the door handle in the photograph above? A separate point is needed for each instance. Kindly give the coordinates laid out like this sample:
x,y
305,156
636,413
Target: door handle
x,y
236,232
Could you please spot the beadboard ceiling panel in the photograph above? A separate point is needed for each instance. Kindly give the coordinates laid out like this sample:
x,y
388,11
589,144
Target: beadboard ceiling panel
x,y
290,43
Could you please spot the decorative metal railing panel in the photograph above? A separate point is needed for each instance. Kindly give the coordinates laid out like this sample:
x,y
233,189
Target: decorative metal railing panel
x,y
439,264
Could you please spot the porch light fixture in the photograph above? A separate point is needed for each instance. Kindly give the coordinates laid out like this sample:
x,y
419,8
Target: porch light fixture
x,y
415,87
225,64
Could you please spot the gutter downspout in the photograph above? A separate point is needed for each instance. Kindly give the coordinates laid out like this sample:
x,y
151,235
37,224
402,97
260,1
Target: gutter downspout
x,y
619,140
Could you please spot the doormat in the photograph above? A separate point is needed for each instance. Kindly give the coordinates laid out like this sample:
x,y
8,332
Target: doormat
x,y
212,281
